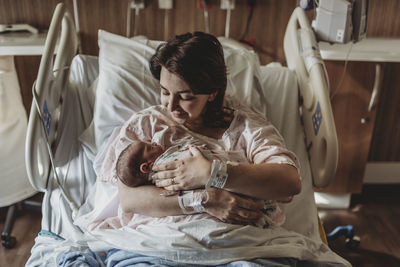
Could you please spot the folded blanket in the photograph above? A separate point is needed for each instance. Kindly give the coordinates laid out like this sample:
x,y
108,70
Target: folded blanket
x,y
211,242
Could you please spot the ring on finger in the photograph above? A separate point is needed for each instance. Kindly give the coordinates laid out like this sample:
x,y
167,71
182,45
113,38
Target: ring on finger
x,y
172,181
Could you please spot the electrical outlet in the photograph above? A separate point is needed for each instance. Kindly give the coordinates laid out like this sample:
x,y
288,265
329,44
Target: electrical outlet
x,y
228,4
137,4
165,4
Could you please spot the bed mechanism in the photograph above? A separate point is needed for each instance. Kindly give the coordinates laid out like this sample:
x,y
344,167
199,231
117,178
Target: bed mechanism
x,y
303,56
48,94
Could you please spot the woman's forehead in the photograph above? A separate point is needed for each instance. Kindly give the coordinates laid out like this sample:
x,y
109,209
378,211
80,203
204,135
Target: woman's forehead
x,y
172,82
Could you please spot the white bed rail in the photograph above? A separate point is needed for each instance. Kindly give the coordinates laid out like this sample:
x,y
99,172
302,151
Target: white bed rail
x,y
48,92
303,57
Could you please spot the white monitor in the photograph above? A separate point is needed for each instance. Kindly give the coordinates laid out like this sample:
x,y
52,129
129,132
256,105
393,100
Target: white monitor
x,y
341,21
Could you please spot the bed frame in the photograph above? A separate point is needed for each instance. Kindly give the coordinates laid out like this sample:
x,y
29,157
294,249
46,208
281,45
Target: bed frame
x,y
303,57
48,94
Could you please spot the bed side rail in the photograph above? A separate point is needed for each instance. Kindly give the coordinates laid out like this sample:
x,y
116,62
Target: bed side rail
x,y
303,57
48,91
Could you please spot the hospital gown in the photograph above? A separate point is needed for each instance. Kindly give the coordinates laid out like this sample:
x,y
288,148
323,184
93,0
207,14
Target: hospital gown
x,y
273,215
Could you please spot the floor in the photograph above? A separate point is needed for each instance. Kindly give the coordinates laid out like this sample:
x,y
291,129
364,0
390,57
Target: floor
x,y
375,214
26,228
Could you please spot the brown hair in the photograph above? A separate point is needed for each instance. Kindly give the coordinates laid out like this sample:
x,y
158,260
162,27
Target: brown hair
x,y
198,59
128,165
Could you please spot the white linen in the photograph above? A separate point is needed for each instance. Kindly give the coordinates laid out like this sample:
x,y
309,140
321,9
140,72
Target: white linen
x,y
125,83
281,96
47,249
210,242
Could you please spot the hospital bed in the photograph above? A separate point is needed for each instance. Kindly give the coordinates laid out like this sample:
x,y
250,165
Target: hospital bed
x,y
79,100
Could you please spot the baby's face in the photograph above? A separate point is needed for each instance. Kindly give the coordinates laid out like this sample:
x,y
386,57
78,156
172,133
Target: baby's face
x,y
151,152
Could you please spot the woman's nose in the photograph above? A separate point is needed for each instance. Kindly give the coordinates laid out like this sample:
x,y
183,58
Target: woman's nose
x,y
172,103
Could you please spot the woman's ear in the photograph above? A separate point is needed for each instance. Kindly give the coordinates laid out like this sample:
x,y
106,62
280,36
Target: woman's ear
x,y
212,96
145,167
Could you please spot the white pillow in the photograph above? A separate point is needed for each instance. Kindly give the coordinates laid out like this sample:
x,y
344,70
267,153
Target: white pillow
x,y
125,84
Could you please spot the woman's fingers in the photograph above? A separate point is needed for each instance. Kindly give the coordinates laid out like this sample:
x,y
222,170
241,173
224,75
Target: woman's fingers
x,y
168,166
242,216
161,175
250,215
174,187
192,172
165,182
250,204
246,218
232,208
195,151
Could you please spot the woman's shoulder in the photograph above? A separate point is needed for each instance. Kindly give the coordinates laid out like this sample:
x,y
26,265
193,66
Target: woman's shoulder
x,y
244,113
157,112
151,118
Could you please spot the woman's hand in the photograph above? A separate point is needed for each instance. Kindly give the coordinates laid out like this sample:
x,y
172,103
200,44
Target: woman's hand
x,y
186,174
231,208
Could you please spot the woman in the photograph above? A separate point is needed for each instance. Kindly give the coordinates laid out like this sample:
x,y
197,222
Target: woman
x,y
192,75
193,110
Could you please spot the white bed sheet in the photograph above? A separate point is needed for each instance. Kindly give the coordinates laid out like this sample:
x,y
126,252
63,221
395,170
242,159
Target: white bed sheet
x,y
75,162
281,94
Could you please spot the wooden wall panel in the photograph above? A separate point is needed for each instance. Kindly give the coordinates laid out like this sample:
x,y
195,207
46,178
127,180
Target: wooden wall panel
x,y
385,144
383,19
100,14
266,29
27,71
350,101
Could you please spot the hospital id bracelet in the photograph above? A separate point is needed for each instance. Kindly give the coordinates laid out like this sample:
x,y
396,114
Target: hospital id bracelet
x,y
192,202
218,175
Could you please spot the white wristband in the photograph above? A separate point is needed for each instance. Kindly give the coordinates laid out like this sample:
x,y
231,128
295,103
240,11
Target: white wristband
x,y
218,175
192,202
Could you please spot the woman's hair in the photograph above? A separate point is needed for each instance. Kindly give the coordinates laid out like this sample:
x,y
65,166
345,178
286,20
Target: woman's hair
x,y
198,59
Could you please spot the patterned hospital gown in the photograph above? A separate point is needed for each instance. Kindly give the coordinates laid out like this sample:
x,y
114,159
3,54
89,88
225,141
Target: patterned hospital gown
x,y
250,138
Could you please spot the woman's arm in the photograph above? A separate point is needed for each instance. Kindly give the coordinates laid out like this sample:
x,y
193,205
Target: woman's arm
x,y
269,181
146,200
264,181
224,205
